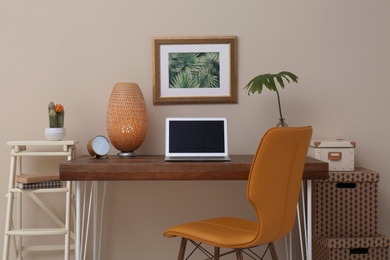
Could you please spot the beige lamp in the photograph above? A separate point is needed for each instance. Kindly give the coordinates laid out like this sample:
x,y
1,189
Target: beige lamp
x,y
127,118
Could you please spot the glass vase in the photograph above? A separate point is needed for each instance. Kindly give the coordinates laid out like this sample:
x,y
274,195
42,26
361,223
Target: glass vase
x,y
282,123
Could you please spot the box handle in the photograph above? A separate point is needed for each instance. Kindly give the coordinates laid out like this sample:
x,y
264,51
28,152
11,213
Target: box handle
x,y
335,156
358,251
345,185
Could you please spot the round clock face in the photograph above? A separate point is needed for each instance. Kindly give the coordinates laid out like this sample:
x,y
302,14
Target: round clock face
x,y
101,145
98,146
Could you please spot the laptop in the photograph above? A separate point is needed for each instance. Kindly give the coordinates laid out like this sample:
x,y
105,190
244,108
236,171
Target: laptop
x,y
196,139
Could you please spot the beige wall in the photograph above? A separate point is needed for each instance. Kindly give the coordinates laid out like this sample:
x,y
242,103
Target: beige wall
x,y
73,52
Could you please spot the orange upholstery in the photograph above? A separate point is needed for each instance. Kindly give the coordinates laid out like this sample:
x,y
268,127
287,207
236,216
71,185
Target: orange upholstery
x,y
273,190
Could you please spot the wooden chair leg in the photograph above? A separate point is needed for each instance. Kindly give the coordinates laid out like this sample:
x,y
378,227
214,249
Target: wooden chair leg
x,y
182,249
239,254
272,250
216,253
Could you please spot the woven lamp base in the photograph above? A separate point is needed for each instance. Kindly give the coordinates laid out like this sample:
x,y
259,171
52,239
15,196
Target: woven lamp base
x,y
126,120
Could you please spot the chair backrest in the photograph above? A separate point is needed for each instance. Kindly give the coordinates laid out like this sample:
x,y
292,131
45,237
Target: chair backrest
x,y
275,180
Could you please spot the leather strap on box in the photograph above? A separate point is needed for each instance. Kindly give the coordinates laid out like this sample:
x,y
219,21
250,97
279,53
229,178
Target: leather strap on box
x,y
335,156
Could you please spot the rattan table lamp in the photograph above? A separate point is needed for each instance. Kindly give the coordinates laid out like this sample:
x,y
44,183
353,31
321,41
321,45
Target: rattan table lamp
x,y
127,118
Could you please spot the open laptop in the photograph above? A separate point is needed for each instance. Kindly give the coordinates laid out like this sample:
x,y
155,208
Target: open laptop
x,y
196,139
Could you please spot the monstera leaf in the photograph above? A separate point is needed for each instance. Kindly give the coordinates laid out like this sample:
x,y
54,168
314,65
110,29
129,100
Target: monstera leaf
x,y
268,80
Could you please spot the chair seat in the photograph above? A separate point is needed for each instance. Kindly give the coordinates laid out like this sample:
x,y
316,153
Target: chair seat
x,y
220,232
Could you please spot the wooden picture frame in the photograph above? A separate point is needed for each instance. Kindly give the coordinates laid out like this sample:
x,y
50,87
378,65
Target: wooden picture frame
x,y
194,70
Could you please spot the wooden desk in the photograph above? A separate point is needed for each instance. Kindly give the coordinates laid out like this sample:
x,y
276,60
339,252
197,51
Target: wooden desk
x,y
153,167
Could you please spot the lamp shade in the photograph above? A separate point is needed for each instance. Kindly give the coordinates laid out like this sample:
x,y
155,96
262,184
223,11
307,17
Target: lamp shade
x,y
127,118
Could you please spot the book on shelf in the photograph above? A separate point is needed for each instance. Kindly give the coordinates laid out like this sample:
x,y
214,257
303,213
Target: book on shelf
x,y
34,178
39,185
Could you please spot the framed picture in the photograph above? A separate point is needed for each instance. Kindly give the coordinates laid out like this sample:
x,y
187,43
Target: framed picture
x,y
194,70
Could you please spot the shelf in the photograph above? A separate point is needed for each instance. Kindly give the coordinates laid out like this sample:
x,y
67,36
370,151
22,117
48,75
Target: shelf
x,y
49,149
37,153
46,247
37,231
51,190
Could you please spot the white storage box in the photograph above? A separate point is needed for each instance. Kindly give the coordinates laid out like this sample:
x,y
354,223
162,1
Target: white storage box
x,y
340,154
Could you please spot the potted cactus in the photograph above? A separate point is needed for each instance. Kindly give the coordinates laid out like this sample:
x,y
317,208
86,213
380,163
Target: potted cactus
x,y
56,130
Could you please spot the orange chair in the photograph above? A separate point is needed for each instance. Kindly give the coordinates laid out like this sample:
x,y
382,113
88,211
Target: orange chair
x,y
273,189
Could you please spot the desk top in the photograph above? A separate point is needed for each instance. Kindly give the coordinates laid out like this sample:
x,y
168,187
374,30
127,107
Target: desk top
x,y
153,167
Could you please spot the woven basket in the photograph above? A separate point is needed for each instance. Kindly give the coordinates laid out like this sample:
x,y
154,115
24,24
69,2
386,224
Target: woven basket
x,y
126,120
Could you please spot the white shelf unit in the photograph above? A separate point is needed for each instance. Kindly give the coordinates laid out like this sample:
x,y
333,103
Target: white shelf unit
x,y
13,226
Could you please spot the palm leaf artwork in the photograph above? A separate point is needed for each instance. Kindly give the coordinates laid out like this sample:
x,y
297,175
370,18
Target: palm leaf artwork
x,y
268,80
194,70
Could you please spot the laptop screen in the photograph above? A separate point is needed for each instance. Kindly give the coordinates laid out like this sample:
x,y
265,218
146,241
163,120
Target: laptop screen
x,y
196,137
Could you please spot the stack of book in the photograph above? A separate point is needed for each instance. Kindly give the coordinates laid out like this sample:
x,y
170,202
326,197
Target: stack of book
x,y
38,181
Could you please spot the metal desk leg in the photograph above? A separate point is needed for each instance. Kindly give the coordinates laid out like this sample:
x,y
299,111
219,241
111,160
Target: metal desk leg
x,y
301,236
303,227
95,193
78,219
309,220
304,216
87,204
98,219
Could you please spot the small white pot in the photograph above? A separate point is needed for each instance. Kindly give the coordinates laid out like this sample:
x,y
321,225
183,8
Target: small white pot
x,y
55,134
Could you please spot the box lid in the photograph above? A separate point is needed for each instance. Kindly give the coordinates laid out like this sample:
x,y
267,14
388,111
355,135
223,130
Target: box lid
x,y
379,241
332,143
358,175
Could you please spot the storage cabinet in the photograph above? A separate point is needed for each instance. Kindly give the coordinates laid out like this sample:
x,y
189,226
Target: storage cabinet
x,y
15,195
345,217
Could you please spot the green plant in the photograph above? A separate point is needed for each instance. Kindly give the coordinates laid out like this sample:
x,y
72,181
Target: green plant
x,y
56,115
194,70
268,80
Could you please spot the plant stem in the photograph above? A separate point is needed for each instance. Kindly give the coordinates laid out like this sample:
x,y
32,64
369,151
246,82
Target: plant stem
x,y
280,107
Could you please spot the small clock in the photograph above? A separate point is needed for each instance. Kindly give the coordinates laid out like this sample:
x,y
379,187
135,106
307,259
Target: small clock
x,y
98,146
